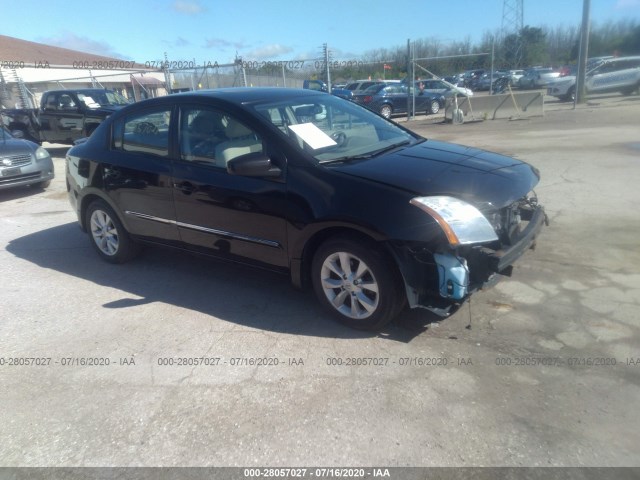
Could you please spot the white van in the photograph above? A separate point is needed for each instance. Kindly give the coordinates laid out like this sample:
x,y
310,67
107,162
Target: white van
x,y
611,75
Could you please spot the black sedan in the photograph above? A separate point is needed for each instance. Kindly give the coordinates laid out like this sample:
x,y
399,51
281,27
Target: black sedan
x,y
368,214
392,98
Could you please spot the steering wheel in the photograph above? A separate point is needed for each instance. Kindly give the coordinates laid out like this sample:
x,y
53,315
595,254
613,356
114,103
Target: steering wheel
x,y
340,138
204,148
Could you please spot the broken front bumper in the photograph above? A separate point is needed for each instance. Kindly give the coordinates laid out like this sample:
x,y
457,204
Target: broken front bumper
x,y
501,261
425,280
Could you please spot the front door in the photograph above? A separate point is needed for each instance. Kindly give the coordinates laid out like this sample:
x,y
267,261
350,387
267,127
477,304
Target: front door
x,y
229,215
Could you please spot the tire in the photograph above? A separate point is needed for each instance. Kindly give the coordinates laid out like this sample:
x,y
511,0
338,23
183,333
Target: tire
x,y
386,111
42,185
434,107
108,235
571,95
340,268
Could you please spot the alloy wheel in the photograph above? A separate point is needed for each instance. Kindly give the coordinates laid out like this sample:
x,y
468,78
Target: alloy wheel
x,y
104,233
349,285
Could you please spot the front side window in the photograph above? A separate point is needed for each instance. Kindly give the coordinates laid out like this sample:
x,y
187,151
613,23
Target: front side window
x,y
146,132
212,137
332,129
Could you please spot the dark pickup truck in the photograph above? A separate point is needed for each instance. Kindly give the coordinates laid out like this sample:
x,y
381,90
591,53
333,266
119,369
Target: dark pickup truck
x,y
64,115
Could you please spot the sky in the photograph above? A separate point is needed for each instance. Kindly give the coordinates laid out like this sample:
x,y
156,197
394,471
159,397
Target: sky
x,y
216,30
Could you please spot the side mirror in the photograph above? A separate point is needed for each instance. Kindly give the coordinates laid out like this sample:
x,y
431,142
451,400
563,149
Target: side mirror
x,y
253,165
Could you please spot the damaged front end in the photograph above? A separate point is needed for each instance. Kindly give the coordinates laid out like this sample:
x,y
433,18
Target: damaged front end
x,y
478,245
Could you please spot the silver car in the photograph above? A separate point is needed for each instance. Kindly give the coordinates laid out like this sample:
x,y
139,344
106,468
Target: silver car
x,y
443,88
23,162
538,77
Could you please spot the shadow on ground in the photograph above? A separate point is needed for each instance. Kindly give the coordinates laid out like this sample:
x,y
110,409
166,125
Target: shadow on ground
x,y
234,293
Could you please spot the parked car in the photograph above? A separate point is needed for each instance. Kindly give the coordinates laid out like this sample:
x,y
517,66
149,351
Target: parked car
x,y
361,85
538,77
443,88
456,80
515,76
471,78
483,82
23,162
608,75
367,213
320,86
389,99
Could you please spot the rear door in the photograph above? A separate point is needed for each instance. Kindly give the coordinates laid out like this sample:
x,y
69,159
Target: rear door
x,y
62,118
137,173
397,94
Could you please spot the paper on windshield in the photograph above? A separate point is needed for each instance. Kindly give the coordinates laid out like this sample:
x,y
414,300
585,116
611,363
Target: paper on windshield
x,y
90,102
312,135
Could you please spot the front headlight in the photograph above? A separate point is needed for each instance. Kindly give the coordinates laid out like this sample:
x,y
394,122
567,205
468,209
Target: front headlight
x,y
41,154
461,222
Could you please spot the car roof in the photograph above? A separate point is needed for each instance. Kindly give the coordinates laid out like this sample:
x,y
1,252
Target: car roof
x,y
75,90
241,95
618,59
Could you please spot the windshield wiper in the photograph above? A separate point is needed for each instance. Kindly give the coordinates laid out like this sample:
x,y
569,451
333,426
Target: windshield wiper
x,y
369,155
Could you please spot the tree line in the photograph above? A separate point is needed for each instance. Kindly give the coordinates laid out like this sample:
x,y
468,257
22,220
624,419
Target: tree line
x,y
532,46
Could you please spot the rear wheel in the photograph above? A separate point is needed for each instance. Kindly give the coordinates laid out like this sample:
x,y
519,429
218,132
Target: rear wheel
x,y
434,107
108,235
357,283
386,111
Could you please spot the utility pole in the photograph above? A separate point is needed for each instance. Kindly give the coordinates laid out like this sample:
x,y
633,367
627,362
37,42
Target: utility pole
x,y
584,51
327,65
512,23
409,78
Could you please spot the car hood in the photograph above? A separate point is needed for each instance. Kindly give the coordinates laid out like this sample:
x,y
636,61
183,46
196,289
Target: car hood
x,y
15,146
485,179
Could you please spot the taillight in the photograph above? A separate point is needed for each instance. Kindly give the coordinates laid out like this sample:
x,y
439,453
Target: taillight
x,y
367,99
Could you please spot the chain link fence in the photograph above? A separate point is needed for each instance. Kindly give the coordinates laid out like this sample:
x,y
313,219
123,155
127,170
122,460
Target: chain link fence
x,y
285,73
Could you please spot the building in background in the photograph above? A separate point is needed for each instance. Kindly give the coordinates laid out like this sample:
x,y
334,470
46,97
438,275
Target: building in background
x,y
27,69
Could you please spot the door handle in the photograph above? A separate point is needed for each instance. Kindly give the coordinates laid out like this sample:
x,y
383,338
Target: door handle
x,y
186,187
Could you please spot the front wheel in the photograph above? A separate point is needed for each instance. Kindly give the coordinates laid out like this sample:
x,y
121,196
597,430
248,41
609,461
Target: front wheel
x,y
357,283
434,107
108,235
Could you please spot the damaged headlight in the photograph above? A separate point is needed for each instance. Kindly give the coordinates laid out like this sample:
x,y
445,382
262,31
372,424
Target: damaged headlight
x,y
461,222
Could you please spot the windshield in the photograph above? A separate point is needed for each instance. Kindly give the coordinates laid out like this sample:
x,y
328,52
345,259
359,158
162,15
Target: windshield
x,y
331,129
102,98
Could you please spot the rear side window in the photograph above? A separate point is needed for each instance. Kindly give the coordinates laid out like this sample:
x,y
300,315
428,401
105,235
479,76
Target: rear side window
x,y
146,132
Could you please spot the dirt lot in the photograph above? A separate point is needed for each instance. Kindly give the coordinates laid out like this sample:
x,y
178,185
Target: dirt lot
x,y
547,375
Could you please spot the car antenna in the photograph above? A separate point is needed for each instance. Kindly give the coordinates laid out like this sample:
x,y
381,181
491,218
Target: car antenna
x,y
468,327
